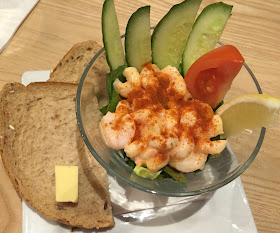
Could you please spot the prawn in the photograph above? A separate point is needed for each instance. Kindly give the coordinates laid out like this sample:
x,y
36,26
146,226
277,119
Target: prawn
x,y
133,80
118,129
211,147
184,147
194,161
145,155
177,82
148,76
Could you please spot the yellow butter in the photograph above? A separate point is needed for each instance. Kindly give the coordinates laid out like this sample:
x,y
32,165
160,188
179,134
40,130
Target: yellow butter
x,y
66,183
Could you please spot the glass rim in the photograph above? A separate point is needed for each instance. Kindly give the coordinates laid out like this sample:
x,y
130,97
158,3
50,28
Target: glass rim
x,y
237,173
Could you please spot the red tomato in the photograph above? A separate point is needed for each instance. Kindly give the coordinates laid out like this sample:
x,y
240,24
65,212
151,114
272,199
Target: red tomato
x,y
210,77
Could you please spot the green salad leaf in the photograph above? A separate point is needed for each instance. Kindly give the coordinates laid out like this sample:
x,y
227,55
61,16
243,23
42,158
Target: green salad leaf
x,y
178,176
162,176
130,163
214,156
114,96
218,137
219,105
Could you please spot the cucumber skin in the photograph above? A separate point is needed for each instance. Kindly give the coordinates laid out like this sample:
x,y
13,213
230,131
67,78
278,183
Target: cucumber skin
x,y
130,33
119,54
170,13
188,57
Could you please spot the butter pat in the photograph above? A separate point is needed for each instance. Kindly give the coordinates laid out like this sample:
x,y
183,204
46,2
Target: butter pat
x,y
66,183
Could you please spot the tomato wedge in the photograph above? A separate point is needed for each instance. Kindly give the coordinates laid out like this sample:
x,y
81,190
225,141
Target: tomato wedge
x,y
210,77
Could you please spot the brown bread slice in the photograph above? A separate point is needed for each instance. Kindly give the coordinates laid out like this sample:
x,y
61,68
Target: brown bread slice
x,y
71,67
38,130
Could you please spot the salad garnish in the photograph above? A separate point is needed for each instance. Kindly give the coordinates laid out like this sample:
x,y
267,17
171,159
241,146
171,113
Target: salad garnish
x,y
168,122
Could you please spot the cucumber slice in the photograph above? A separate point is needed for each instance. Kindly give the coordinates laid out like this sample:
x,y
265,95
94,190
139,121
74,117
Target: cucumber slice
x,y
138,39
171,34
206,32
111,36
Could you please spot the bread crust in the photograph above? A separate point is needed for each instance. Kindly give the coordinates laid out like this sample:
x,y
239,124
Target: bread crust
x,y
71,67
87,49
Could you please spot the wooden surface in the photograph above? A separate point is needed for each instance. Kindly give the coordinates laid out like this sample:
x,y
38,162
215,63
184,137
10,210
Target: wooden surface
x,y
54,26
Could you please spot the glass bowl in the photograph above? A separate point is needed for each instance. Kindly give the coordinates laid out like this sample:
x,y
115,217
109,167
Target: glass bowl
x,y
232,162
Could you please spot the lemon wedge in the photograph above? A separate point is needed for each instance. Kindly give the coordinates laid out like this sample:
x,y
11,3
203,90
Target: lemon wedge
x,y
248,111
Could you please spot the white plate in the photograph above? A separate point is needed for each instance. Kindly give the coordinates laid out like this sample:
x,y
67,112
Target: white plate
x,y
225,211
13,13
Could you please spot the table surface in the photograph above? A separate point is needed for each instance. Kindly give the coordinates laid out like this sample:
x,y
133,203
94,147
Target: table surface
x,y
53,27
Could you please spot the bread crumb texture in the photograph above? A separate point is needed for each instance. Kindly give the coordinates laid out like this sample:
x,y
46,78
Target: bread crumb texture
x,y
38,130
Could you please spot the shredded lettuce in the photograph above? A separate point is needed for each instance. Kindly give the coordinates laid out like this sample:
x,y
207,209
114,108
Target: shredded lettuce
x,y
166,173
145,173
